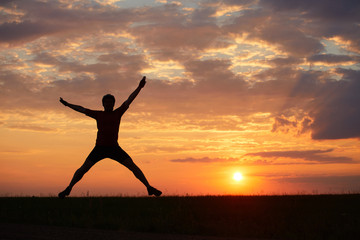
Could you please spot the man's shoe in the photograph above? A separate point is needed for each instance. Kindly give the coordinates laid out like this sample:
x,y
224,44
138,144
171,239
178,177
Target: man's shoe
x,y
65,193
153,191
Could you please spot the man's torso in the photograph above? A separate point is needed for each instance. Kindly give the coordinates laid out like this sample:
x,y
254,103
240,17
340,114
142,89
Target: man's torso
x,y
108,124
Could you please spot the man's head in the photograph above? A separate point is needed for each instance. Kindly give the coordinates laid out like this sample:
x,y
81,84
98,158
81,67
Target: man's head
x,y
108,102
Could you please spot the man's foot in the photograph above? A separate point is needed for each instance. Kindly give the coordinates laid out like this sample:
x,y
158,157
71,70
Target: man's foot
x,y
153,191
65,193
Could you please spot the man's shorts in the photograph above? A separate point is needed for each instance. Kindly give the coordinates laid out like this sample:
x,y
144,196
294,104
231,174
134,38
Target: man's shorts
x,y
114,152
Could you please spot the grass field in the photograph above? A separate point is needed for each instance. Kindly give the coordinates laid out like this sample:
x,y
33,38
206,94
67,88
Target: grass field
x,y
274,217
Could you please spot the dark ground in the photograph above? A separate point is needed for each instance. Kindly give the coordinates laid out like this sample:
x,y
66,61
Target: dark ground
x,y
40,232
221,217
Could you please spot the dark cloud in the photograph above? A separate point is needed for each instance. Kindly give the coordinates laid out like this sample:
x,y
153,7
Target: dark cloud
x,y
14,32
284,62
281,31
178,41
116,73
49,18
305,125
336,112
289,37
332,58
214,76
313,100
336,10
230,2
15,90
296,26
203,94
313,156
287,91
282,123
170,33
327,18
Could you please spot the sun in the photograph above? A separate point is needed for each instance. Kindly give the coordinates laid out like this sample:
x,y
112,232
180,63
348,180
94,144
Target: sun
x,y
238,177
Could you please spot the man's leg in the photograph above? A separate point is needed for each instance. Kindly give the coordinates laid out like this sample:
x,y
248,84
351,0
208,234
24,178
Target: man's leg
x,y
119,155
136,171
89,162
128,162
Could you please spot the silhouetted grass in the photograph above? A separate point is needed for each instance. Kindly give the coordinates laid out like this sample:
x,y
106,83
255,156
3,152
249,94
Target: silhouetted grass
x,y
285,217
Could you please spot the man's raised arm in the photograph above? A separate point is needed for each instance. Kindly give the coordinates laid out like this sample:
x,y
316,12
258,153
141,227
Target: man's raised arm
x,y
72,106
136,92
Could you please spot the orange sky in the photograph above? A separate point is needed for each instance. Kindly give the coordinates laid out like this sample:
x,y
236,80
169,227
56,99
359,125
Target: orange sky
x,y
257,87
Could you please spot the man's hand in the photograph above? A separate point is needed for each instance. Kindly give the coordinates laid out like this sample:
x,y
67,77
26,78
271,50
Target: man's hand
x,y
136,92
142,82
64,102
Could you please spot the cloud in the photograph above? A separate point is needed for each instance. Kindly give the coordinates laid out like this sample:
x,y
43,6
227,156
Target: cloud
x,y
336,112
326,183
168,32
338,10
54,18
328,106
22,32
244,162
282,123
313,156
214,76
277,30
284,62
30,127
327,19
114,73
203,160
309,156
177,41
85,51
332,58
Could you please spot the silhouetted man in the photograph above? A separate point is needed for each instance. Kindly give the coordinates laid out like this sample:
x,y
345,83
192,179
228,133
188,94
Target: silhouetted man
x,y
108,122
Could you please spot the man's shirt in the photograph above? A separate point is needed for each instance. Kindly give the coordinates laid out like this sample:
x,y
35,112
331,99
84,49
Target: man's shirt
x,y
108,124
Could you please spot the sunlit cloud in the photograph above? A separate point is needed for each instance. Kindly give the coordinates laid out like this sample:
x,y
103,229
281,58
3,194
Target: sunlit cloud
x,y
203,160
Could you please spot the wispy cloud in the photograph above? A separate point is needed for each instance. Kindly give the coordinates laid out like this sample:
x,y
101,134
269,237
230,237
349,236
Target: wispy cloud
x,y
324,183
270,158
311,156
204,160
333,59
30,127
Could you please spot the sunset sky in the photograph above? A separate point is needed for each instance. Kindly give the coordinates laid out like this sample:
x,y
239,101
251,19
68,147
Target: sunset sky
x,y
266,88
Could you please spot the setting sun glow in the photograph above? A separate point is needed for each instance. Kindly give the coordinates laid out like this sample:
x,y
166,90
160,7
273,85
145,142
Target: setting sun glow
x,y
238,176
